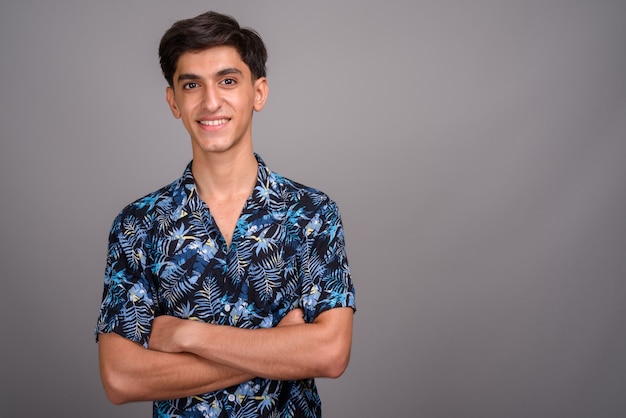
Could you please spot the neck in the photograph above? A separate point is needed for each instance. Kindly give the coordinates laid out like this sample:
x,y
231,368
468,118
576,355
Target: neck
x,y
221,176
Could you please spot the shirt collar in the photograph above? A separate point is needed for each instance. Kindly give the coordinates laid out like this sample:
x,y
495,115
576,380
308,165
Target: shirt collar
x,y
185,193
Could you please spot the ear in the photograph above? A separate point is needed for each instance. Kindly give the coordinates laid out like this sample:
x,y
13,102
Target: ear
x,y
261,91
171,101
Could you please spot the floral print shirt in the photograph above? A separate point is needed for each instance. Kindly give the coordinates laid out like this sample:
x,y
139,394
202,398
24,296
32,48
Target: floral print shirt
x,y
167,256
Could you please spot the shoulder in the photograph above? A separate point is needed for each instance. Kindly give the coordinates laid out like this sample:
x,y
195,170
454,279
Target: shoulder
x,y
143,211
277,191
312,210
299,195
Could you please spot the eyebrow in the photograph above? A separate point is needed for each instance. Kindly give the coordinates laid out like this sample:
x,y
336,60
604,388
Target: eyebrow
x,y
220,73
187,76
227,71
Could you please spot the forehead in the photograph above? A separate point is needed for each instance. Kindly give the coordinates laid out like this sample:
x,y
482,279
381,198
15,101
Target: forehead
x,y
211,61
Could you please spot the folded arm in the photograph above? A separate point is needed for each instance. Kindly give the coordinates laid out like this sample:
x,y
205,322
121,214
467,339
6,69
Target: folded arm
x,y
131,372
318,349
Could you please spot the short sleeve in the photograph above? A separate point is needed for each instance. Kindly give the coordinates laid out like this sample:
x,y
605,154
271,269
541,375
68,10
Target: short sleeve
x,y
327,283
128,298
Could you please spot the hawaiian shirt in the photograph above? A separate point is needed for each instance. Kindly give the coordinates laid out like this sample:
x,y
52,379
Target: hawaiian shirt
x,y
167,256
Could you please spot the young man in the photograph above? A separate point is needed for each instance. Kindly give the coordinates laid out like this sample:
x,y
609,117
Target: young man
x,y
227,291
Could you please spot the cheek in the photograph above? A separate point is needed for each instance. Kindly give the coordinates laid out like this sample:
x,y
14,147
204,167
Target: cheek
x,y
186,112
247,104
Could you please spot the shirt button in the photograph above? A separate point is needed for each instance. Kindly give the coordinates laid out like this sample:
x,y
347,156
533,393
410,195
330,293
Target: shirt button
x,y
231,397
227,308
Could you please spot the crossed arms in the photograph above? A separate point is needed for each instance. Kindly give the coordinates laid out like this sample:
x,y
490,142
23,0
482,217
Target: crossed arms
x,y
185,357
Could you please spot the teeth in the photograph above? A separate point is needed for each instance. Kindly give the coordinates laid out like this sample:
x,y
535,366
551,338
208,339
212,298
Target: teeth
x,y
213,122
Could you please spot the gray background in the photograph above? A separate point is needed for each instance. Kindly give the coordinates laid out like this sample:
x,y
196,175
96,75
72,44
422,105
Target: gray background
x,y
476,148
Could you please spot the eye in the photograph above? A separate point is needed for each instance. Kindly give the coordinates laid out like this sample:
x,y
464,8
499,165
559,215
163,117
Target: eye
x,y
228,82
189,86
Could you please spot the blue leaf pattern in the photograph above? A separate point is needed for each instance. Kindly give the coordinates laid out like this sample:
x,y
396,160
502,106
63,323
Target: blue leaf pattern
x,y
167,256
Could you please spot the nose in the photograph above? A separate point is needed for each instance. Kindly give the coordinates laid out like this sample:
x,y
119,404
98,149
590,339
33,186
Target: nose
x,y
212,100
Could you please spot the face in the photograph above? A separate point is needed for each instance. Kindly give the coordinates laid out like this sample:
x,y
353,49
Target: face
x,y
215,97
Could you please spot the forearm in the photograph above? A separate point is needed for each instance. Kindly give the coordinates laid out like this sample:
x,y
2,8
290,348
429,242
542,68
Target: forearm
x,y
130,372
276,353
320,349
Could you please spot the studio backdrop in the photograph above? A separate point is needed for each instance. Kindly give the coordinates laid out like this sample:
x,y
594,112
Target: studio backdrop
x,y
476,150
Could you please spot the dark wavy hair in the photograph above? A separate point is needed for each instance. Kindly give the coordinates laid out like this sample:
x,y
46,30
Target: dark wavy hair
x,y
208,30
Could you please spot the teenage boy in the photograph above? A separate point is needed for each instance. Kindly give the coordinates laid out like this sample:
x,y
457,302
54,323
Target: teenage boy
x,y
227,291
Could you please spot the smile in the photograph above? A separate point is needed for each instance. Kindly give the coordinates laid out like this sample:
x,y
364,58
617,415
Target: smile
x,y
216,122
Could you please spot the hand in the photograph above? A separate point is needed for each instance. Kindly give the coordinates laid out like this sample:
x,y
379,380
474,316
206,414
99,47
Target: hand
x,y
293,317
165,331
